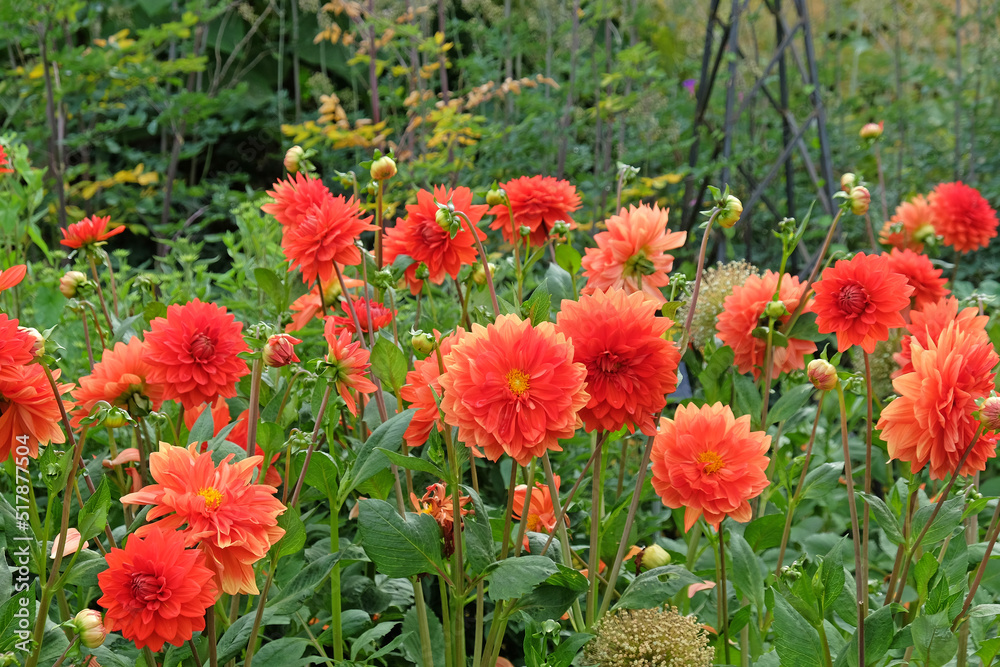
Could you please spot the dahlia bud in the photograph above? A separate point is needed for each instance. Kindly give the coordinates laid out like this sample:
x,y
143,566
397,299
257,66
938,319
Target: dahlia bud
x,y
822,374
115,417
860,198
925,233
731,212
479,274
871,130
71,282
654,556
90,628
524,230
496,197
422,342
293,159
847,181
279,350
989,413
560,228
383,168
38,349
775,309
443,218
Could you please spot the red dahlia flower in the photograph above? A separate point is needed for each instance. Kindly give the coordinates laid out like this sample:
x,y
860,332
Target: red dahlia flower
x,y
4,162
12,276
324,235
962,216
926,281
294,197
423,390
194,353
29,413
350,364
16,344
538,203
381,316
89,231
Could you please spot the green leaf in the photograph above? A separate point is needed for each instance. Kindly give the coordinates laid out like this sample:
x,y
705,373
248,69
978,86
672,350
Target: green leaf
x,y
388,436
516,577
948,519
765,532
270,438
746,570
985,611
536,308
923,570
568,258
480,549
94,515
747,398
413,463
821,480
559,283
883,517
654,586
371,636
934,644
832,575
322,474
879,632
305,582
284,652
388,363
789,403
805,328
272,286
797,642
235,638
295,532
203,429
399,546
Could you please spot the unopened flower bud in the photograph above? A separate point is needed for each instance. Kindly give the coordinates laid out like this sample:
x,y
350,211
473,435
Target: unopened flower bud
x,y
860,199
293,159
924,233
560,228
847,181
822,374
383,168
38,349
479,274
524,230
279,350
116,418
422,342
371,189
90,628
496,197
731,212
422,272
443,218
871,130
989,413
775,309
654,556
71,282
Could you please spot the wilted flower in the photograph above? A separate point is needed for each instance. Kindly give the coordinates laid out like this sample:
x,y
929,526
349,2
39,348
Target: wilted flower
x,y
649,638
441,507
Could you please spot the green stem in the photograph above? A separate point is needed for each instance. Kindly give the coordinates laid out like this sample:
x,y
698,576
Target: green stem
x,y
213,638
723,599
253,416
567,551
529,482
485,260
100,293
794,500
449,656
380,223
508,515
261,601
596,513
686,336
866,516
855,532
561,514
335,606
994,531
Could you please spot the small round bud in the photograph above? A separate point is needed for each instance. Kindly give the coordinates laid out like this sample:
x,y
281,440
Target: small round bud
x,y
775,309
38,349
654,556
479,274
371,189
71,282
293,159
524,230
383,168
279,350
443,218
422,272
422,342
860,199
731,212
496,197
871,130
847,181
822,374
560,228
90,628
989,413
925,233
115,417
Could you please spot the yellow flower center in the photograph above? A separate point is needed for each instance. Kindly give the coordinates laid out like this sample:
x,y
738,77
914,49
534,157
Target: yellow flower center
x,y
517,380
713,462
213,497
534,521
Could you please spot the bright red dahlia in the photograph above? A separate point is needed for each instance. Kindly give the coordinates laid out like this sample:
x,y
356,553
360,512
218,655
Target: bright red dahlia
x,y
422,238
349,364
538,202
381,316
156,591
12,276
860,300
28,409
294,197
962,216
324,235
16,344
89,231
742,313
194,353
4,162
513,388
926,281
631,367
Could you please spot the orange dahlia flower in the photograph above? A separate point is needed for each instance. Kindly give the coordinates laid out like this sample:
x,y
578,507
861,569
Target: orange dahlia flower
x,y
909,225
710,463
630,366
381,315
155,591
422,238
29,413
324,235
932,421
12,276
962,216
349,364
89,231
5,162
294,197
121,379
219,508
926,281
221,418
742,314
538,203
632,254
513,388
927,323
16,344
310,305
441,507
860,300
422,391
194,353
541,509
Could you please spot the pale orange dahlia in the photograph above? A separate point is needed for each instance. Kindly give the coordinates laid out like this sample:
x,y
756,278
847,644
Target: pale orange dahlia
x,y
932,421
423,390
910,224
513,388
927,324
710,463
632,254
962,216
219,508
860,299
29,413
631,367
538,203
121,379
742,313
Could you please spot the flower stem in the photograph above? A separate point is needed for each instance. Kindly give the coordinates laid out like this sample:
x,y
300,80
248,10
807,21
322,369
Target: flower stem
x,y
723,599
508,515
100,294
686,336
380,223
561,514
112,285
596,502
253,416
335,606
794,500
529,489
577,618
855,531
865,528
213,638
992,535
486,264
